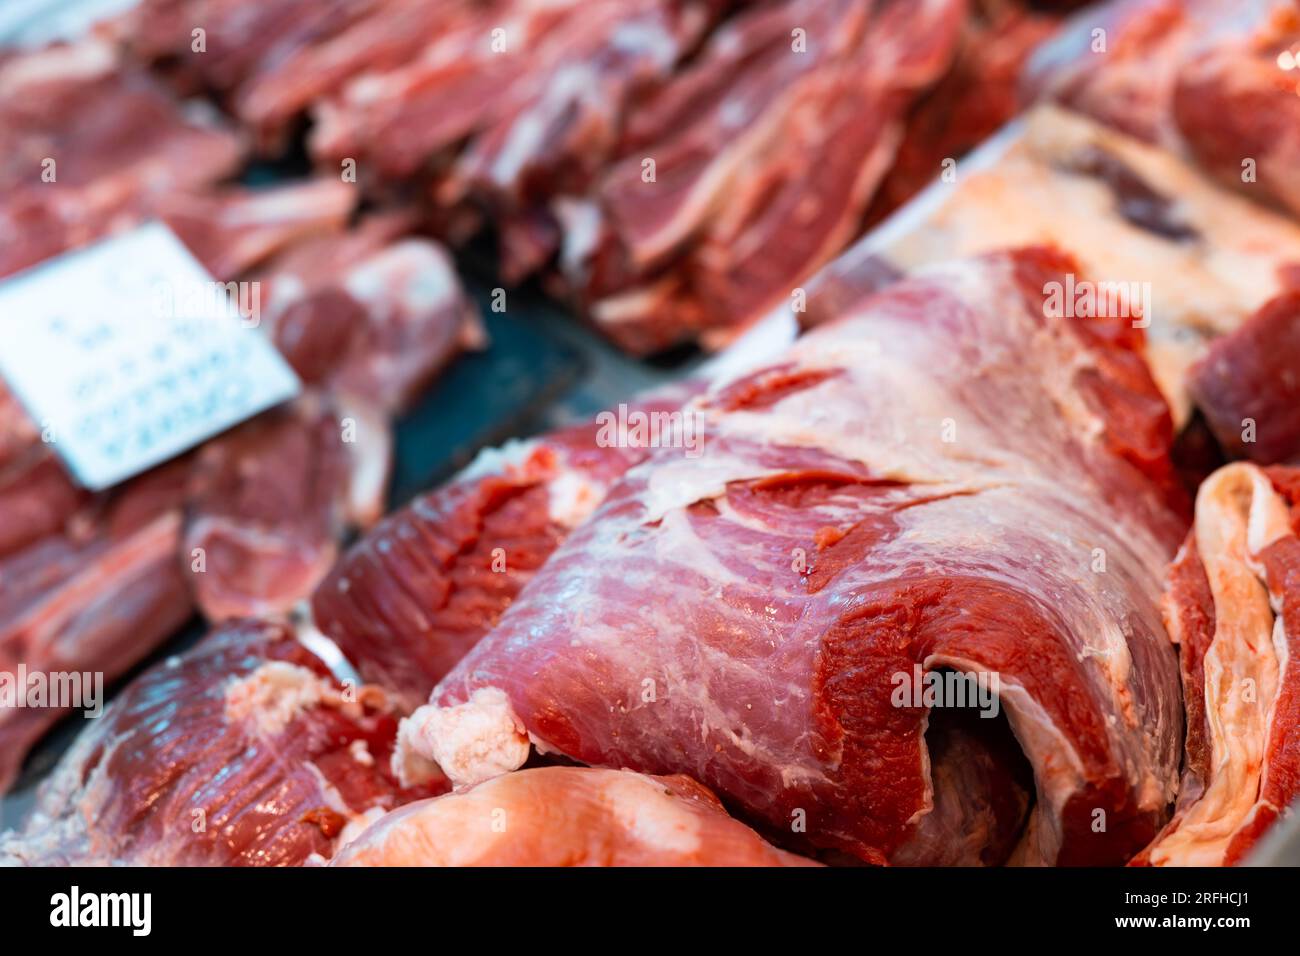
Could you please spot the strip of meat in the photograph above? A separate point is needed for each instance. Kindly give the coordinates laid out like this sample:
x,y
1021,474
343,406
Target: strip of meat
x,y
902,494
566,816
558,131
1211,79
232,230
978,94
1248,384
398,120
1233,607
117,141
242,39
384,37
416,593
244,751
784,126
90,606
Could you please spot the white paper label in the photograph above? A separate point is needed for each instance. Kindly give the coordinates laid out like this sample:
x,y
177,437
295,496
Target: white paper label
x,y
127,353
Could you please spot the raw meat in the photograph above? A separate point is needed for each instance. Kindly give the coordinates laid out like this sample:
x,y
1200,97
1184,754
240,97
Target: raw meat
x,y
417,592
383,36
566,816
242,39
978,94
243,751
119,143
555,132
1136,218
270,501
783,126
94,601
1248,384
1233,608
232,230
902,493
538,83
369,314
1210,78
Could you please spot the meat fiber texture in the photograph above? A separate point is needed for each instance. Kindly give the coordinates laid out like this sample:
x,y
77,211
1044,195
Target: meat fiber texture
x,y
1140,221
566,816
783,126
1213,79
532,89
92,144
902,491
420,589
1233,609
971,102
244,751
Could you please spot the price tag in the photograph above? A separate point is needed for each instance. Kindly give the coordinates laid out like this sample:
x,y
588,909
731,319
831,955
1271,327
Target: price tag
x,y
128,353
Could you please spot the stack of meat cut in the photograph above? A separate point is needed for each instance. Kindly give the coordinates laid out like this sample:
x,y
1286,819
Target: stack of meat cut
x,y
674,168
248,524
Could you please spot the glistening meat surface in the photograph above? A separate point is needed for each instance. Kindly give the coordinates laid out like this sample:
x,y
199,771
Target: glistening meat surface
x,y
904,490
417,592
243,751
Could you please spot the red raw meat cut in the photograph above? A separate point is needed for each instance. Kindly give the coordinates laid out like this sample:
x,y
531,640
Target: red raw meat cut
x,y
119,143
1233,609
558,130
782,127
242,39
1134,215
978,94
417,592
399,119
566,816
367,314
903,492
382,37
270,501
232,230
243,751
93,601
1248,384
1212,79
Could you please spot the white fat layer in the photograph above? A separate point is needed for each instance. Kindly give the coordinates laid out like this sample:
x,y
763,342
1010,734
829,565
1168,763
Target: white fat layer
x,y
498,461
643,811
471,742
1197,289
273,695
80,61
571,497
1235,508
